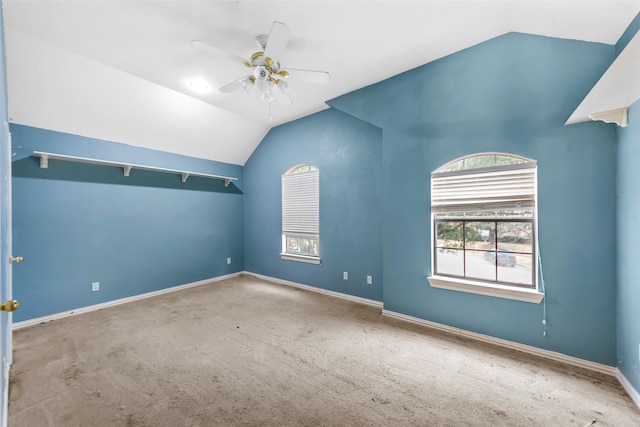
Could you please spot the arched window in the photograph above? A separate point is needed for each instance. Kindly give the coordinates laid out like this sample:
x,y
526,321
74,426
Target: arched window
x,y
483,220
300,214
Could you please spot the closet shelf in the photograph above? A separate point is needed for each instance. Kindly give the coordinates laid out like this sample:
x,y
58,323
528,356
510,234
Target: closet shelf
x,y
126,167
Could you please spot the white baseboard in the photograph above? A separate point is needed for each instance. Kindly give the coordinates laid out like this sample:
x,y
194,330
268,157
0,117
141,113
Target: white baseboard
x,y
348,297
89,308
631,391
559,357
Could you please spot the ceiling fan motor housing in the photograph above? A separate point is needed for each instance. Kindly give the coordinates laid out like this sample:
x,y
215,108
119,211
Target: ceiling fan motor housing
x,y
261,73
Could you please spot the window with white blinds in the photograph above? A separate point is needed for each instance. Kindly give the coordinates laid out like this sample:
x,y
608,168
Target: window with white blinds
x,y
483,220
300,214
484,189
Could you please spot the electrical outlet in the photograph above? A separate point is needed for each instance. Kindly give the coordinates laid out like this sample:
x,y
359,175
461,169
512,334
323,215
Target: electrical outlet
x,y
345,275
95,286
369,280
228,260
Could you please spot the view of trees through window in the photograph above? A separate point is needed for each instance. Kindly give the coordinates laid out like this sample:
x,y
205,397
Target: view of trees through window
x,y
493,250
302,244
482,161
302,169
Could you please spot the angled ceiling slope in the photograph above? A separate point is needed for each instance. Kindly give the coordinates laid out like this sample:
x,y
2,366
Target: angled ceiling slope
x,y
119,71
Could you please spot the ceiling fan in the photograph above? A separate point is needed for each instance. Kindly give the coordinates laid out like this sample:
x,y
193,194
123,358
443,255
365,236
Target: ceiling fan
x,y
268,76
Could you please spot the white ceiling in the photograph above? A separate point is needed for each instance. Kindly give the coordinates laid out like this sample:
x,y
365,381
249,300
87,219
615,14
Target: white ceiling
x,y
118,70
618,88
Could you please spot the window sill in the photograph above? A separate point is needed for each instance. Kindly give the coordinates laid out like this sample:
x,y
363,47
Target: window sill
x,y
301,258
499,291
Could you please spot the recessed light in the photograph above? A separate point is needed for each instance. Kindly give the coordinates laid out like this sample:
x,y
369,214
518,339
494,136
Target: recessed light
x,y
198,85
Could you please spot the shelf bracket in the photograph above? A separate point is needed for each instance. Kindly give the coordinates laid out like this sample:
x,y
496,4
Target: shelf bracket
x,y
618,116
44,161
227,182
184,177
127,170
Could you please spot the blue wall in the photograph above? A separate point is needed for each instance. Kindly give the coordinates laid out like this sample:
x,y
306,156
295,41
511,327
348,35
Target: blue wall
x,y
510,94
348,153
76,224
628,205
628,238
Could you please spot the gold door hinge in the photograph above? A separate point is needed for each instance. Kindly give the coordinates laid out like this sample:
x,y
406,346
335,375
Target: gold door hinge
x,y
15,260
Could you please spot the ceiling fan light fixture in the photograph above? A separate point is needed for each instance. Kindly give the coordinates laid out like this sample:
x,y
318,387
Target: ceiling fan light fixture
x,y
247,82
263,85
266,96
282,86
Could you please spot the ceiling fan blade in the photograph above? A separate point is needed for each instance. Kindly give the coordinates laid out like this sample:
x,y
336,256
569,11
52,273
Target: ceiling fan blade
x,y
235,85
205,47
311,76
278,39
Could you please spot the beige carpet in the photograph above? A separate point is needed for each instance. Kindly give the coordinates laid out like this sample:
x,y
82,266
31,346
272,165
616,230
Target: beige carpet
x,y
248,352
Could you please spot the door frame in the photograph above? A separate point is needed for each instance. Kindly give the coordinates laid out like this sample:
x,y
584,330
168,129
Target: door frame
x,y
5,231
6,356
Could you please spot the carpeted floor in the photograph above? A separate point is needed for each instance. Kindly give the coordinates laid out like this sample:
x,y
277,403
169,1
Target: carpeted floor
x,y
248,352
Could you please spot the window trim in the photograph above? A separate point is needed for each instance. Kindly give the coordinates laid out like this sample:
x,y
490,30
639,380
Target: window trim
x,y
531,295
301,258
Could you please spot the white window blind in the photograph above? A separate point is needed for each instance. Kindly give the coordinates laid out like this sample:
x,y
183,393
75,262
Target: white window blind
x,y
300,203
494,188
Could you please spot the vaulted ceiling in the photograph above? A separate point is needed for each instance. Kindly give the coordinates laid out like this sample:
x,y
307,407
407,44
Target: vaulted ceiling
x,y
123,71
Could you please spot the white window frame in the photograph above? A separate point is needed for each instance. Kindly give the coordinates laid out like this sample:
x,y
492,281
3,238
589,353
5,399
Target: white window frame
x,y
446,201
301,214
